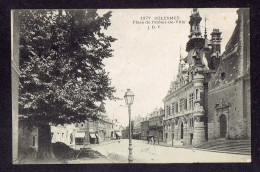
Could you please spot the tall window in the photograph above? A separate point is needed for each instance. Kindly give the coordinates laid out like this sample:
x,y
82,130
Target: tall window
x,y
191,123
181,105
173,110
34,141
176,107
166,111
191,101
185,104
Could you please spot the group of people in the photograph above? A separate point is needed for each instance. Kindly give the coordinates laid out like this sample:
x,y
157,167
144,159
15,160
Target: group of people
x,y
151,140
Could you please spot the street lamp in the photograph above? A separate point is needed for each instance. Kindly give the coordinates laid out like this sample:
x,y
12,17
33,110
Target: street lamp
x,y
129,98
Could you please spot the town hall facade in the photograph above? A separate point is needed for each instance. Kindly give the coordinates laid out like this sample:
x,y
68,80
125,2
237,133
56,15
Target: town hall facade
x,y
190,104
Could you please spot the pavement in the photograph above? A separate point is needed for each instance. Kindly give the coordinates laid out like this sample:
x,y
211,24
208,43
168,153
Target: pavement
x,y
117,152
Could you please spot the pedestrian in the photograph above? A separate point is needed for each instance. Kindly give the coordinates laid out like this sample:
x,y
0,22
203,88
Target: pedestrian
x,y
154,141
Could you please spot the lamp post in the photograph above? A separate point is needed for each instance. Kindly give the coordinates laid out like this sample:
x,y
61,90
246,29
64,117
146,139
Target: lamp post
x,y
129,98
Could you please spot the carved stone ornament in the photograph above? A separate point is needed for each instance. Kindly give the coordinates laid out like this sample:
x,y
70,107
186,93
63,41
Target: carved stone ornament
x,y
221,105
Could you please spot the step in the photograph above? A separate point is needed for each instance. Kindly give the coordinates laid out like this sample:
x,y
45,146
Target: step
x,y
230,152
223,143
228,145
233,150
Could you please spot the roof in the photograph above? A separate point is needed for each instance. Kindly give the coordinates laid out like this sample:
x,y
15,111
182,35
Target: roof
x,y
228,67
226,72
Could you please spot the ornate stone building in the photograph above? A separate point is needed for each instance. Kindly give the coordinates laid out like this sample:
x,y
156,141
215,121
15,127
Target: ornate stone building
x,y
186,104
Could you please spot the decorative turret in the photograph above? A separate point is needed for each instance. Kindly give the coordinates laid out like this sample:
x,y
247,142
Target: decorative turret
x,y
195,24
216,48
196,40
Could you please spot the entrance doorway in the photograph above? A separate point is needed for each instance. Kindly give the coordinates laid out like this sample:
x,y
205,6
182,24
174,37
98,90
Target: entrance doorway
x,y
182,130
223,126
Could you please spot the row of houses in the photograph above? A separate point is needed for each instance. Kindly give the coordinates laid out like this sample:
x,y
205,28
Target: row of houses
x,y
150,125
75,135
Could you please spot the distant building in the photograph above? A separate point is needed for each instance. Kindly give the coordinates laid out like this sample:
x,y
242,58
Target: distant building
x,y
65,134
116,130
125,132
145,128
156,124
137,131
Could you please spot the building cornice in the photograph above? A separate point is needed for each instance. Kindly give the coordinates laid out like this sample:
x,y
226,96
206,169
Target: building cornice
x,y
178,91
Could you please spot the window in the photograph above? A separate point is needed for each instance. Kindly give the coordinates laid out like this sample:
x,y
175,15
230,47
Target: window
x,y
34,141
197,92
173,110
181,105
82,125
191,99
184,104
218,48
176,107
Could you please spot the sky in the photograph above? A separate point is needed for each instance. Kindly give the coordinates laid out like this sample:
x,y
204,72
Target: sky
x,y
146,60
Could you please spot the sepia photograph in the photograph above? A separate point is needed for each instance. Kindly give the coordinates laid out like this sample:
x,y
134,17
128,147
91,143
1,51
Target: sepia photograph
x,y
119,86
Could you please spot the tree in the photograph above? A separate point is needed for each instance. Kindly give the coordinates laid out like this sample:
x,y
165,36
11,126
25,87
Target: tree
x,y
61,53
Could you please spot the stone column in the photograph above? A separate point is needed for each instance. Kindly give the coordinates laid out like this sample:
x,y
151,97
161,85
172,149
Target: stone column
x,y
199,131
175,133
185,134
199,127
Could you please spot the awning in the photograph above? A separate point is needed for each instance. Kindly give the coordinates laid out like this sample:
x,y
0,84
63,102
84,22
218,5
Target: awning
x,y
80,135
119,134
93,136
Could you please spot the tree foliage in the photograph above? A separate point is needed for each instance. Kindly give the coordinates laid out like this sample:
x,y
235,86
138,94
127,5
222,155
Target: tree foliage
x,y
63,77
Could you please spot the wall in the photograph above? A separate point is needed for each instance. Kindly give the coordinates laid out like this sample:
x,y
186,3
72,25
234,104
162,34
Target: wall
x,y
231,94
235,87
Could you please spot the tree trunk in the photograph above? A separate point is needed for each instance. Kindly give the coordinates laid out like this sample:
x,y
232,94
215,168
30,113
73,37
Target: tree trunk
x,y
44,143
